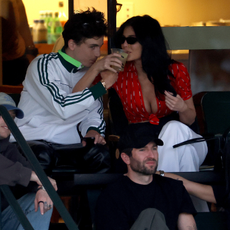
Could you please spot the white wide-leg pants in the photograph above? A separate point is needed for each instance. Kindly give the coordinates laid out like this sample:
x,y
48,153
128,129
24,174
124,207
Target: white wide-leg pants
x,y
188,157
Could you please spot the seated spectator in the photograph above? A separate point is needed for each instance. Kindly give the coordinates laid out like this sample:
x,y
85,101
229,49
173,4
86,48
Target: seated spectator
x,y
141,199
16,172
54,111
18,49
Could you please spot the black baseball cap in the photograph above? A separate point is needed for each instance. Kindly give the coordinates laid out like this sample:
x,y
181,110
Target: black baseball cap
x,y
137,136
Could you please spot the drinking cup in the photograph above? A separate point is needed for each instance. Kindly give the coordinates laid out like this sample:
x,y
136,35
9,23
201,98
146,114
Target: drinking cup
x,y
123,58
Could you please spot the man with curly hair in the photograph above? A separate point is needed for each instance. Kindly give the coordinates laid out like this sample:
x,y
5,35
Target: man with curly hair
x,y
55,110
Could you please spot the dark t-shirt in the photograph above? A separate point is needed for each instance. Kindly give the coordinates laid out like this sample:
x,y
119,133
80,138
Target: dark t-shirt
x,y
120,203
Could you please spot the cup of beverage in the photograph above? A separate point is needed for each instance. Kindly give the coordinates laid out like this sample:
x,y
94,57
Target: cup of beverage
x,y
123,58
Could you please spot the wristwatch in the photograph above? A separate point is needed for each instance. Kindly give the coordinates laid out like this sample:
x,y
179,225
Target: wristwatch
x,y
162,173
104,84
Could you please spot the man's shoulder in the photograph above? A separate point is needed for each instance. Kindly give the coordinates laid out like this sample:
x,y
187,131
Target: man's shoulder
x,y
115,188
159,180
116,183
45,58
164,179
172,189
168,182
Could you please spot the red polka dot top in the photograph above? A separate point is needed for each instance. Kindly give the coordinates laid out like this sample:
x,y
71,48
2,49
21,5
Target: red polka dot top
x,y
129,90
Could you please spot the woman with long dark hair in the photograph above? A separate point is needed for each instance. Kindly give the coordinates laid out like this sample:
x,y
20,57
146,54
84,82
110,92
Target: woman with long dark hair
x,y
155,92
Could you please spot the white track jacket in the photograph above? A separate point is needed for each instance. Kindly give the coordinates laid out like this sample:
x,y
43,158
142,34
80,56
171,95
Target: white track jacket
x,y
52,111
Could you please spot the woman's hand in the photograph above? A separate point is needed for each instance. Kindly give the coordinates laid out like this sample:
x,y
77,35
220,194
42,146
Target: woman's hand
x,y
98,139
42,200
186,109
175,103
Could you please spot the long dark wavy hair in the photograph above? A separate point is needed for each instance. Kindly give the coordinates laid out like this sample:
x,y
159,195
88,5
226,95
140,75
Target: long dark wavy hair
x,y
155,59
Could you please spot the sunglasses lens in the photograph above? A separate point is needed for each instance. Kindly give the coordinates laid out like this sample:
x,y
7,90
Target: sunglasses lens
x,y
122,39
130,40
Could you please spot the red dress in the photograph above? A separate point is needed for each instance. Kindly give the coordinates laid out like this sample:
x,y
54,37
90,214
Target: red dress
x,y
129,90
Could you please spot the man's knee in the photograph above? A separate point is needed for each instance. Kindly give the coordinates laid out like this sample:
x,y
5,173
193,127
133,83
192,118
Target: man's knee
x,y
174,125
152,212
150,219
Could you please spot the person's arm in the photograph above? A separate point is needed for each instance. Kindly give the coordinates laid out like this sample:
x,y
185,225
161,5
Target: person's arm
x,y
186,222
15,169
94,124
24,30
12,173
183,102
99,66
35,178
186,209
202,191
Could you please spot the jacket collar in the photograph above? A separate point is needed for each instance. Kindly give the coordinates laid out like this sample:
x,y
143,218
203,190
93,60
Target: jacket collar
x,y
71,64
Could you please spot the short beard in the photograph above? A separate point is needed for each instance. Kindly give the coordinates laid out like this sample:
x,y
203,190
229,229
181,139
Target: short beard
x,y
142,169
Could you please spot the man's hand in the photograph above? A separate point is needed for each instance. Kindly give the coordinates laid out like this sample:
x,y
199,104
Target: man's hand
x,y
42,200
106,62
98,139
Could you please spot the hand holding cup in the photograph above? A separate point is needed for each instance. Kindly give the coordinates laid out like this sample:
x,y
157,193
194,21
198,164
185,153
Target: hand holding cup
x,y
123,58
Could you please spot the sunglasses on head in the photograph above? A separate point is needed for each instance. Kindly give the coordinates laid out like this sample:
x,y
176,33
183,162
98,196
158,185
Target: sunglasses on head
x,y
130,40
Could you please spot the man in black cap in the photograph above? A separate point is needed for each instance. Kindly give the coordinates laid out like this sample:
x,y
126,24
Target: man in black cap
x,y
141,199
